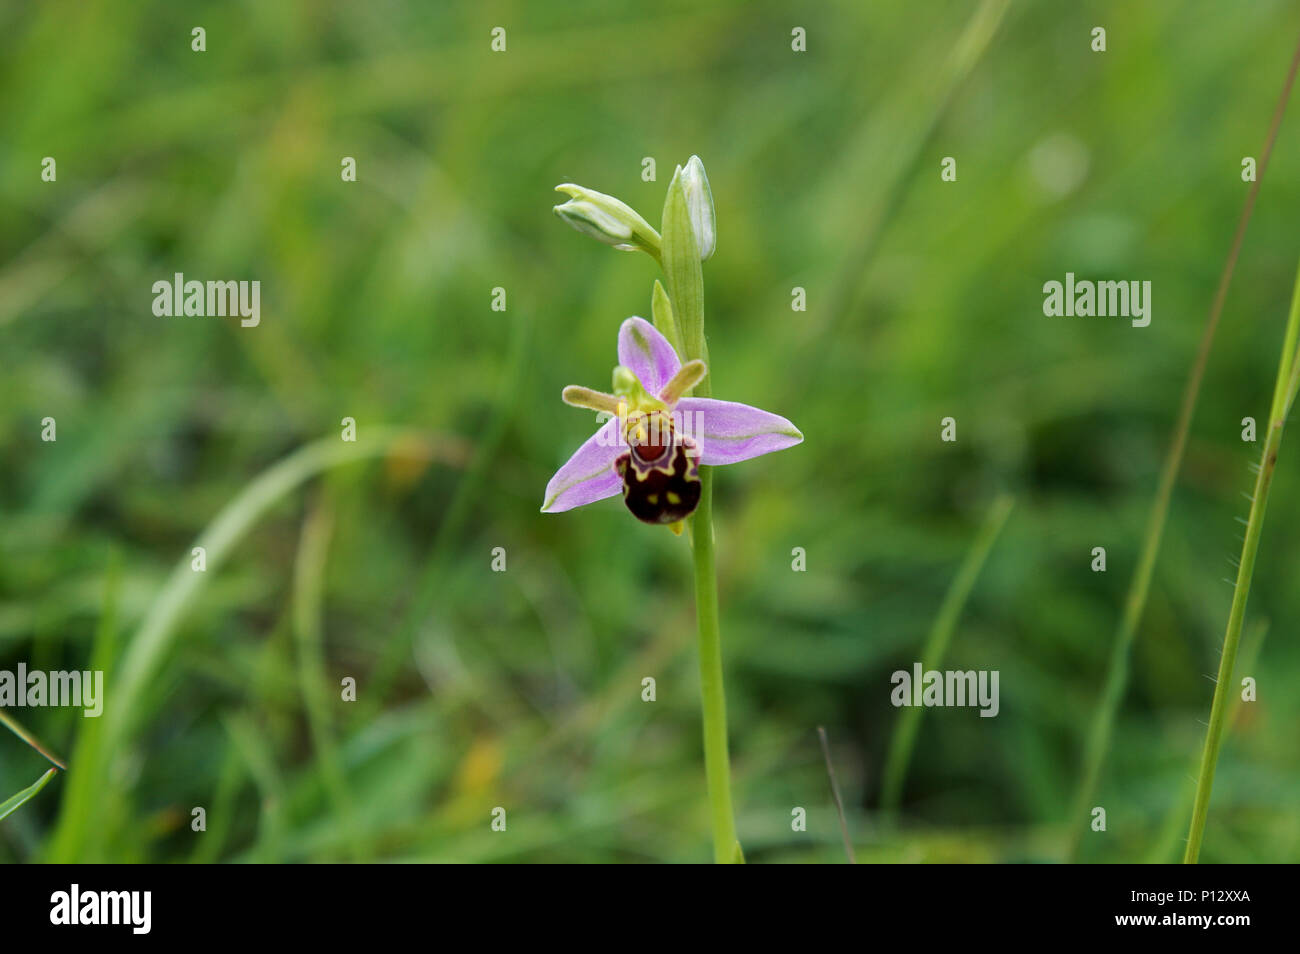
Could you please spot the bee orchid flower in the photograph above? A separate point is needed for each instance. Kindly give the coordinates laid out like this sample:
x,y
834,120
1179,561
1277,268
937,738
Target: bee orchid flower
x,y
658,442
651,447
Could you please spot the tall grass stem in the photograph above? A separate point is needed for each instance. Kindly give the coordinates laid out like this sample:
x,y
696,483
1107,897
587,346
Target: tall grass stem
x,y
1283,395
1097,741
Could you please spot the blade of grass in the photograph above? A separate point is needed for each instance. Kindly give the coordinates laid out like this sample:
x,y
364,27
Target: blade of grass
x,y
13,726
1283,395
124,707
936,646
79,798
145,652
1098,739
309,571
221,816
10,805
259,758
835,793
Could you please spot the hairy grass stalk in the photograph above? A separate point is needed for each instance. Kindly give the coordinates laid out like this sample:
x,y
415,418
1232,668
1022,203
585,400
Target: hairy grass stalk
x,y
1097,742
1288,372
1169,845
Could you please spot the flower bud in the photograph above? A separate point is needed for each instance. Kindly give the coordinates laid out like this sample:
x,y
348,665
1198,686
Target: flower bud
x,y
699,203
606,219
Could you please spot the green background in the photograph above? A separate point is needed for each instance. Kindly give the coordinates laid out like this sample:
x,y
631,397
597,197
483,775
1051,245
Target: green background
x,y
523,689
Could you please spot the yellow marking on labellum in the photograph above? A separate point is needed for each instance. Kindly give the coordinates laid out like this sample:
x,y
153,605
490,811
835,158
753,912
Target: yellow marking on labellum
x,y
653,439
652,498
673,498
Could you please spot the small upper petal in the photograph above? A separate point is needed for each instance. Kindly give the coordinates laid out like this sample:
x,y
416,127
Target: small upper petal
x,y
647,354
729,432
589,474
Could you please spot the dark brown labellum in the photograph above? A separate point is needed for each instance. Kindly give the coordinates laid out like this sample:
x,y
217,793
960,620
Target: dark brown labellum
x,y
661,482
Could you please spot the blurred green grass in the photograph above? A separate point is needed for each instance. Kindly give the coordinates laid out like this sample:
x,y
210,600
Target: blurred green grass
x,y
522,689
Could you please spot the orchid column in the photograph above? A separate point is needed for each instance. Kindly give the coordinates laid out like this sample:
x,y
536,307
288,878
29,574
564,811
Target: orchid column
x,y
648,449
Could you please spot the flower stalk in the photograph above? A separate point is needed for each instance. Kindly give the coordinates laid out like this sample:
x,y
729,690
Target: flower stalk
x,y
1284,390
643,450
717,759
681,264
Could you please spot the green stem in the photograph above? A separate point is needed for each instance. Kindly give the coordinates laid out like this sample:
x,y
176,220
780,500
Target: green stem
x,y
717,763
1283,393
1171,831
685,281
1231,639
